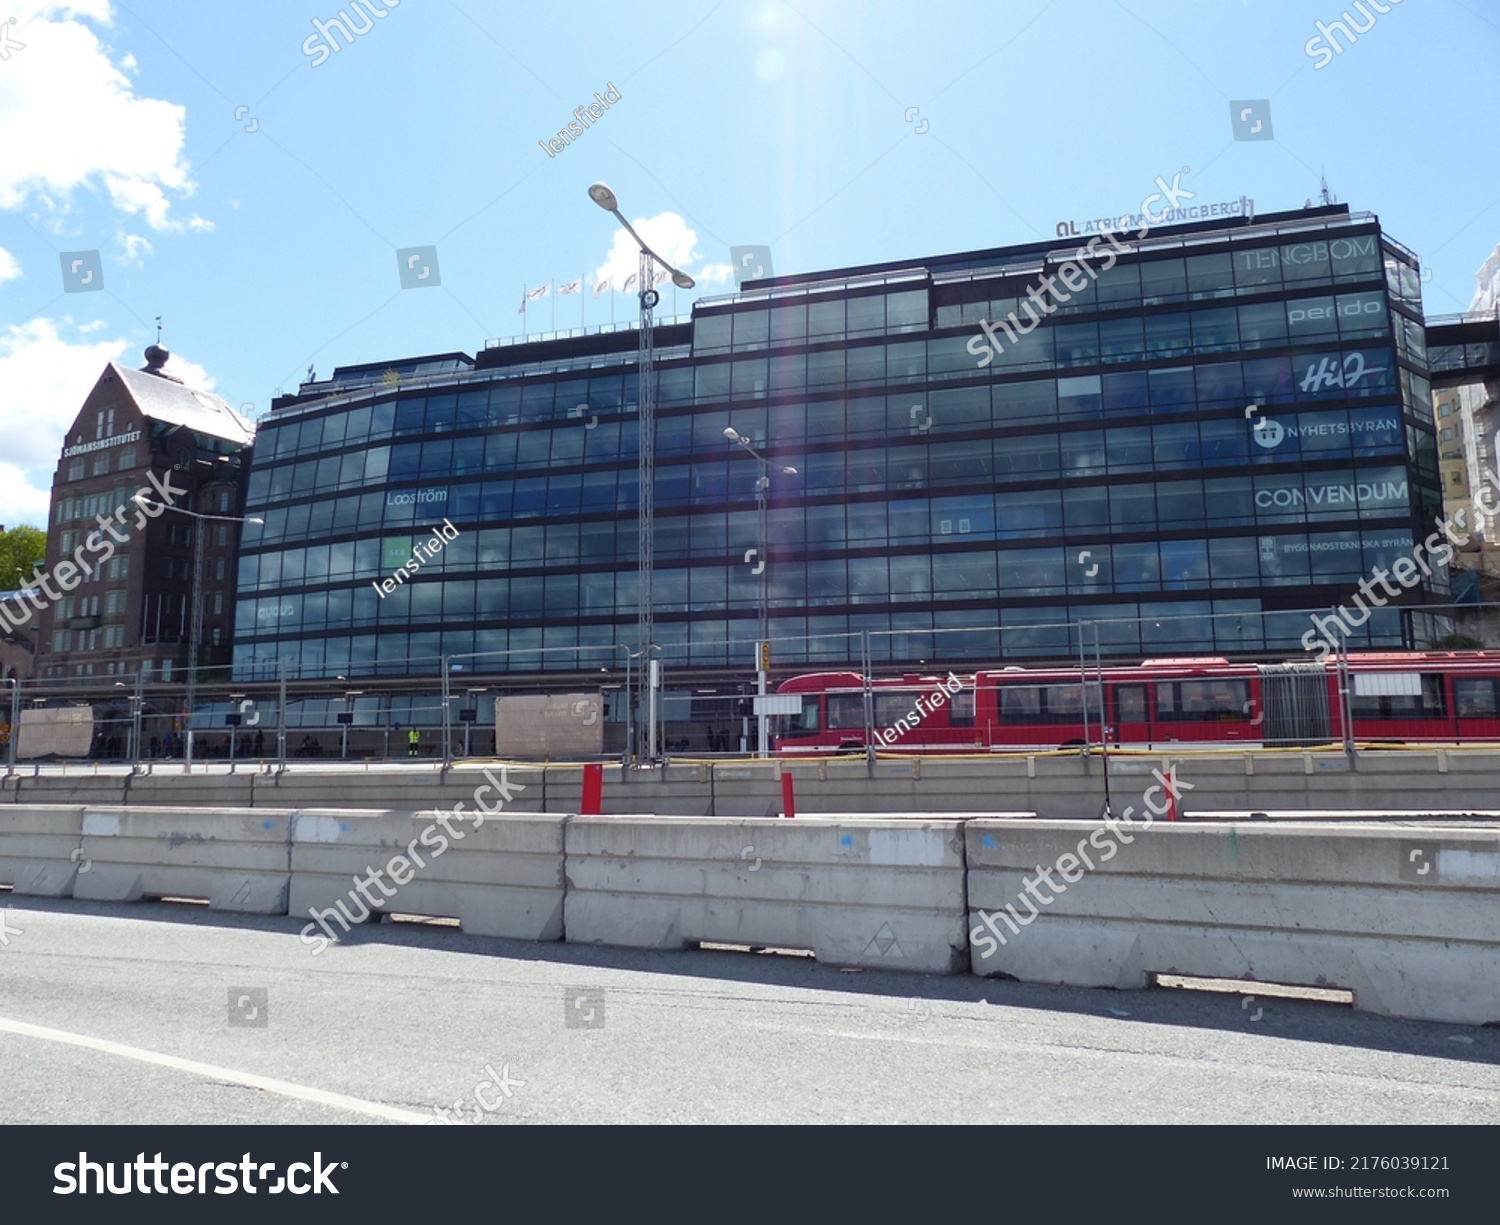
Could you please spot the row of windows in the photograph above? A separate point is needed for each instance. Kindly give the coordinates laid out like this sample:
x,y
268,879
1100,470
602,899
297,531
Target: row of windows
x,y
1193,626
95,504
1087,454
1273,498
1135,283
1355,374
110,637
803,320
1297,559
1203,330
1167,336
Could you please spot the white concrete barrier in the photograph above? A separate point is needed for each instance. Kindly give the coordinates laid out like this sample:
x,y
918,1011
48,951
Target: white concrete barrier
x,y
883,894
235,859
39,848
504,878
1408,918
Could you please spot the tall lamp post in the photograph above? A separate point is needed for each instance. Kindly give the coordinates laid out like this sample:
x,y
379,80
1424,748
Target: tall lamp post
x,y
601,195
195,633
763,641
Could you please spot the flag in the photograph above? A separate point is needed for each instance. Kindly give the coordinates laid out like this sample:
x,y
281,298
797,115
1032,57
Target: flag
x,y
522,311
571,287
601,286
629,281
540,292
657,279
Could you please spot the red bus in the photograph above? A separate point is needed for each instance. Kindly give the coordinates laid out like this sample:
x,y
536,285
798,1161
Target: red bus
x,y
1432,697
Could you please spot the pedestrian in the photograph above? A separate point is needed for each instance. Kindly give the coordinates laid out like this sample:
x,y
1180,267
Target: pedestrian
x,y
413,742
260,744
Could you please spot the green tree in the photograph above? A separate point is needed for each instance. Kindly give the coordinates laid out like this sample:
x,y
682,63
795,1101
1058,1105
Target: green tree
x,y
22,548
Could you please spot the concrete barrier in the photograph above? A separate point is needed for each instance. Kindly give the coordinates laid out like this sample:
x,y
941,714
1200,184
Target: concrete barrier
x,y
237,860
39,848
883,894
1408,918
503,879
423,788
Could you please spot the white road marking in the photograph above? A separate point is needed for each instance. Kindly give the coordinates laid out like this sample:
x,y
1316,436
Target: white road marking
x,y
249,1079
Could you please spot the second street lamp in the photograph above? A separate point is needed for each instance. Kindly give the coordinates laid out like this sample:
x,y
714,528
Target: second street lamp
x,y
601,195
763,569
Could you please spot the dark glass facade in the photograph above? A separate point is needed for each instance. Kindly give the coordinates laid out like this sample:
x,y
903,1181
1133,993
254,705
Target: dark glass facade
x,y
1231,423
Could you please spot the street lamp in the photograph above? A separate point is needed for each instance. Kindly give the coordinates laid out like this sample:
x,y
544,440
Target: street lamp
x,y
763,642
601,195
196,631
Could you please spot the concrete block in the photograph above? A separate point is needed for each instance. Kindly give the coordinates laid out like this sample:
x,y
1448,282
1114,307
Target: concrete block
x,y
504,878
236,859
40,848
1407,918
873,893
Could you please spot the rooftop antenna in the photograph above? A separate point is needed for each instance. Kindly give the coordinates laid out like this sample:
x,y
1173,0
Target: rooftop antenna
x,y
312,374
1325,195
158,329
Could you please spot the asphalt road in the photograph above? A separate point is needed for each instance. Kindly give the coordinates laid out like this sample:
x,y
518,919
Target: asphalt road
x,y
154,1014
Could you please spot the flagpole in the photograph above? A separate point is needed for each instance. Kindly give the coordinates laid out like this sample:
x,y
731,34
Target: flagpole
x,y
523,310
582,319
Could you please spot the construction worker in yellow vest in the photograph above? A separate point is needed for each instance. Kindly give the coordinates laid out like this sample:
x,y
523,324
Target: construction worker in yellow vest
x,y
413,742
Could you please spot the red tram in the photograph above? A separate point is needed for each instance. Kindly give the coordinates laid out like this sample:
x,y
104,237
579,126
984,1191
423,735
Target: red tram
x,y
1432,697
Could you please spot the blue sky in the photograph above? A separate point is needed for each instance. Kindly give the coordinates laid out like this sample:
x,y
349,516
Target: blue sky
x,y
254,194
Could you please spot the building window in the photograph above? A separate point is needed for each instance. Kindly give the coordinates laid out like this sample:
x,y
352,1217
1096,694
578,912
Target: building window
x,y
114,603
75,470
218,603
223,533
119,567
219,569
216,635
223,507
69,541
101,464
105,423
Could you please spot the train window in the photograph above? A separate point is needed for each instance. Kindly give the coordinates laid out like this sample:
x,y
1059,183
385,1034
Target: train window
x,y
1041,704
1475,698
961,709
890,707
1428,704
845,711
1205,701
805,722
1130,703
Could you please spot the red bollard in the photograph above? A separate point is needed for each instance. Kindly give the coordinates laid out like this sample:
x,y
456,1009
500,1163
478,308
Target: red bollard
x,y
1171,793
788,798
593,790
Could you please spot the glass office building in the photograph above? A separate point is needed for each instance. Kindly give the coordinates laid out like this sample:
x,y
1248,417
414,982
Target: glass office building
x,y
1228,425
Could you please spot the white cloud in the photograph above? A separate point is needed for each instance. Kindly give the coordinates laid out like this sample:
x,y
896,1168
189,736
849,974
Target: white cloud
x,y
69,118
9,269
715,274
671,238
